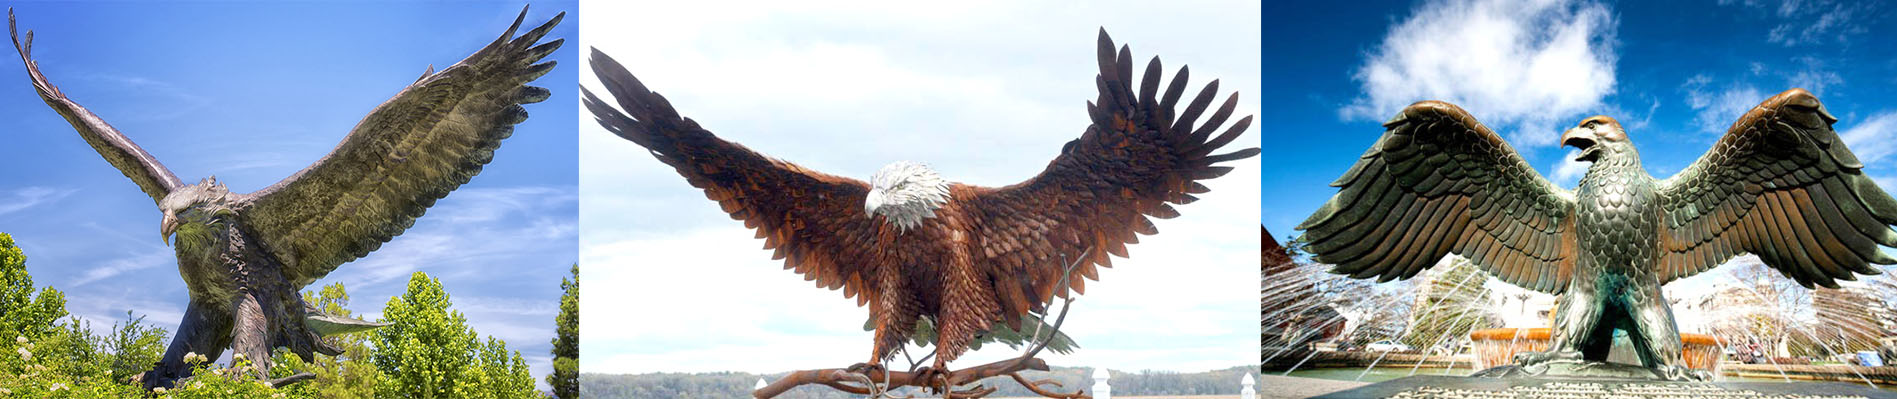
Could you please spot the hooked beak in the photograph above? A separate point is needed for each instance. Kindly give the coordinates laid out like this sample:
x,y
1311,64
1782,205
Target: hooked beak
x,y
167,227
873,202
1583,139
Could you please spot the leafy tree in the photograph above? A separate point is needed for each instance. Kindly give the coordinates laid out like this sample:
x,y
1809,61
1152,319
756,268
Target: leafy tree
x,y
345,376
23,314
565,378
428,351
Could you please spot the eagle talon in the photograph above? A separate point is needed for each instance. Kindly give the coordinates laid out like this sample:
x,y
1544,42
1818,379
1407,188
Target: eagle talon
x,y
1678,373
1532,359
866,369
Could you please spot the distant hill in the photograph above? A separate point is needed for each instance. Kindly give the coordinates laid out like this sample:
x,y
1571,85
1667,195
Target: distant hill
x,y
726,385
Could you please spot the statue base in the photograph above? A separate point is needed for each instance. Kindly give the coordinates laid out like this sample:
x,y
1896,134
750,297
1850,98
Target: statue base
x,y
1575,379
1574,369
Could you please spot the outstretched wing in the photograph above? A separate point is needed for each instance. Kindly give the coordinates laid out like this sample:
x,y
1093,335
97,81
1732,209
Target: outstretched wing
x,y
814,221
1780,184
151,176
410,151
1439,182
1135,159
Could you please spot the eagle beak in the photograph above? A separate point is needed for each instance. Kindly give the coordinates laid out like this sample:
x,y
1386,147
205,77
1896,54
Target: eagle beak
x,y
1583,139
166,227
873,202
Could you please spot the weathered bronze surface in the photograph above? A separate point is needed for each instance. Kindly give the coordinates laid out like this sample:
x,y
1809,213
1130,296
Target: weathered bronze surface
x,y
245,256
1780,184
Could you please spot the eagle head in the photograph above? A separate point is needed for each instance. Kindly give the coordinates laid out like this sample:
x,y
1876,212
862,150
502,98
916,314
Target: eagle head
x,y
192,211
905,193
1594,136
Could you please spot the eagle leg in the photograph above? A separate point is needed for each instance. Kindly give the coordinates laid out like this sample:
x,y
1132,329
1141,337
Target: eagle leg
x,y
1657,339
1577,315
251,337
205,331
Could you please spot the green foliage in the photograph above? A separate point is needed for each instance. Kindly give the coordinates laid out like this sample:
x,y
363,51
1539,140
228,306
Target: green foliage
x,y
345,376
134,346
208,381
565,378
21,312
428,351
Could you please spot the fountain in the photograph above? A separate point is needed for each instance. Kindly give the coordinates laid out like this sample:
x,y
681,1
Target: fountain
x,y
1303,306
1496,347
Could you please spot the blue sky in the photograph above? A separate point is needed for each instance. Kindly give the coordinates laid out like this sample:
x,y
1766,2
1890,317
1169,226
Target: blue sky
x,y
985,92
1675,74
251,93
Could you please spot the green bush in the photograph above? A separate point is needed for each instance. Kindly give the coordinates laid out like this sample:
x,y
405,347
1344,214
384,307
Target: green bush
x,y
428,351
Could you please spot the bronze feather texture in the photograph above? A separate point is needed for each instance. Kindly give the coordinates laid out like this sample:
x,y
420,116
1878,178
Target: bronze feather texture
x,y
989,254
1780,184
245,257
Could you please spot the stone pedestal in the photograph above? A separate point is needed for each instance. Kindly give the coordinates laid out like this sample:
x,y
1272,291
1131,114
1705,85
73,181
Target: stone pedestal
x,y
1447,387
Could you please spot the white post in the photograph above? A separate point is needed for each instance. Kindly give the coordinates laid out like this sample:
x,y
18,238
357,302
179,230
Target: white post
x,y
1250,391
1100,388
760,384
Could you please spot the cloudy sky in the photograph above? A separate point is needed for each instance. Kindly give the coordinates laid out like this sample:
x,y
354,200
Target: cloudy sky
x,y
985,92
1676,74
251,94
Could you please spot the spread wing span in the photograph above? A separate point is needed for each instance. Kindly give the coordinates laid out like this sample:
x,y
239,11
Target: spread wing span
x,y
1439,182
813,221
1782,185
151,176
1136,158
409,152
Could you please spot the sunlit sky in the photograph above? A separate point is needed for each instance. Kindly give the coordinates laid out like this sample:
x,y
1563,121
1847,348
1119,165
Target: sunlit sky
x,y
984,92
251,93
1676,74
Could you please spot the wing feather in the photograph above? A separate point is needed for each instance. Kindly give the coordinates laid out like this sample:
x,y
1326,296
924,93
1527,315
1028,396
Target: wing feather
x,y
412,150
1780,184
1135,162
1436,183
813,221
144,170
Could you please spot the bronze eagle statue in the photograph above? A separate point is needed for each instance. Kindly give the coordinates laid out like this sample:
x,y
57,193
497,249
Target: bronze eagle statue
x,y
245,256
1780,185
916,247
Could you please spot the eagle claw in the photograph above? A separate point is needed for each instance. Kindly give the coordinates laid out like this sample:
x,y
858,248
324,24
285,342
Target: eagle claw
x,y
1536,358
865,368
1678,373
937,380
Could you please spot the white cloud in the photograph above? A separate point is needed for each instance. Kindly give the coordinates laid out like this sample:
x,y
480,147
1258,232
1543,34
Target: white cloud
x,y
1717,107
1568,172
1873,139
1808,22
28,197
986,93
1521,67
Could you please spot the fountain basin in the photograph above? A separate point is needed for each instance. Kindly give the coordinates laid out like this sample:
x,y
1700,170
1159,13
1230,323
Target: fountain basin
x,y
1498,346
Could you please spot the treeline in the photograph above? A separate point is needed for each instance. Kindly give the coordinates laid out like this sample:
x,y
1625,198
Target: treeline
x,y
739,385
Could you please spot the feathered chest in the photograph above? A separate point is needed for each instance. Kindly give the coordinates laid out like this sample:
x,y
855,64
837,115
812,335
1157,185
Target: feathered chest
x,y
923,253
1617,217
216,259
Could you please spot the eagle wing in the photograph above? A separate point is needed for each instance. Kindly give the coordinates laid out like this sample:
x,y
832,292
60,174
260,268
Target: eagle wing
x,y
813,221
1439,182
1780,184
1135,159
409,152
134,162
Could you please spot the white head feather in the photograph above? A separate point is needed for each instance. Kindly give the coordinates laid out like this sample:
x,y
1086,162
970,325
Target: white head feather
x,y
905,193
